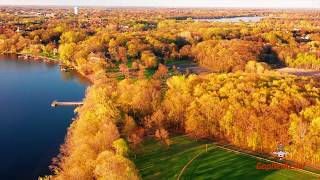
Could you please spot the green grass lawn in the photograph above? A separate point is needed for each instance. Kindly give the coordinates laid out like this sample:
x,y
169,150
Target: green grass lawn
x,y
50,55
155,162
149,72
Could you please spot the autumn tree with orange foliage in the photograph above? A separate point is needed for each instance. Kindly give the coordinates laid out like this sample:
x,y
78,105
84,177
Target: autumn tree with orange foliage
x,y
93,148
226,56
255,111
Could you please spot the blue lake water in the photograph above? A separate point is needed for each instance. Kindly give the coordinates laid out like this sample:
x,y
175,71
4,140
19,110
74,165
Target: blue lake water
x,y
31,131
232,19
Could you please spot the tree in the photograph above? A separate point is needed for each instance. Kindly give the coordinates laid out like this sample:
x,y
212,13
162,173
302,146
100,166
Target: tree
x,y
149,59
91,137
163,136
72,37
36,40
121,147
142,99
122,51
226,56
203,116
305,135
124,70
141,72
177,99
111,166
255,67
66,52
155,121
161,72
136,138
135,47
135,65
129,126
185,51
304,60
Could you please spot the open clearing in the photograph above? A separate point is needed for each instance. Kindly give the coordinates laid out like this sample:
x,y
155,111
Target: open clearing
x,y
188,66
156,162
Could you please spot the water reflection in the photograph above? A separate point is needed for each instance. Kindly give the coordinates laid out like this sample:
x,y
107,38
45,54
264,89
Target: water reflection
x,y
73,75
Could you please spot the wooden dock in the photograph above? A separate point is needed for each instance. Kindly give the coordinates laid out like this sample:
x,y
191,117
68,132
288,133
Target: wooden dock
x,y
56,103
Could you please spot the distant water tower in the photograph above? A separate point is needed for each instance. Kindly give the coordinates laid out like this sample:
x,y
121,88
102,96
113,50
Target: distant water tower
x,y
76,10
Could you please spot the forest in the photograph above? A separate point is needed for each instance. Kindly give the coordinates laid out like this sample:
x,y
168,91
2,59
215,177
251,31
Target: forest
x,y
140,89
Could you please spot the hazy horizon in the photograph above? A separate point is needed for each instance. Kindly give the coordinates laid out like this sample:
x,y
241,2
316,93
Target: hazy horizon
x,y
170,3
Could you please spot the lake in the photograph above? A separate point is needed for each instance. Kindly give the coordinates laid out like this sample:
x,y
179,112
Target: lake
x,y
31,131
232,19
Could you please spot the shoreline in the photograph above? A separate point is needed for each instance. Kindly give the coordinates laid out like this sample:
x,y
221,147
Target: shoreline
x,y
28,56
44,59
43,82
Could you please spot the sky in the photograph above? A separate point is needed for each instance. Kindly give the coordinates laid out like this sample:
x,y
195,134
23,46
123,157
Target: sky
x,y
173,3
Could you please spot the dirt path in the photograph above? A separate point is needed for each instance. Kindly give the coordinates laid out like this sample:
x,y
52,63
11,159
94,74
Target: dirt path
x,y
299,72
194,68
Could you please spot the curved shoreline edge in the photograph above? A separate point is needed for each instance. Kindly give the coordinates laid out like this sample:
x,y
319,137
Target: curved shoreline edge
x,y
45,59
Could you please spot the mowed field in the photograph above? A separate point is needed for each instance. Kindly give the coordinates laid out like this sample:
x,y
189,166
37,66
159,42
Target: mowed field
x,y
187,159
